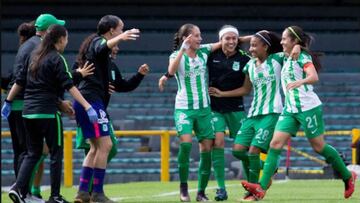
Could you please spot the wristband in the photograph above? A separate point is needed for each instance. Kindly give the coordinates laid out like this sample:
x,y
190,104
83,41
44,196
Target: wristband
x,y
8,101
185,46
168,75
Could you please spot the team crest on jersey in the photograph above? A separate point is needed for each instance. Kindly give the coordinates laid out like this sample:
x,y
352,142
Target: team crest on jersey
x,y
182,119
236,66
103,118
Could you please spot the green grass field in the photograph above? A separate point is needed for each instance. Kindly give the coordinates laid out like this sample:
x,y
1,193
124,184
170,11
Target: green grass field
x,y
308,191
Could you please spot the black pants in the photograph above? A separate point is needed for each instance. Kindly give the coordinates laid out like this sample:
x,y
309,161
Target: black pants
x,y
18,138
37,130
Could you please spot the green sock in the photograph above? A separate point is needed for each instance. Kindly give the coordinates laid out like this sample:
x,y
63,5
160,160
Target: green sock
x,y
183,161
204,170
35,190
333,158
270,166
34,171
218,161
254,168
242,155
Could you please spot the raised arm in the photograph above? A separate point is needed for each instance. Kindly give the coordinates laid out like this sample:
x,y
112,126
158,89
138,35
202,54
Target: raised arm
x,y
132,34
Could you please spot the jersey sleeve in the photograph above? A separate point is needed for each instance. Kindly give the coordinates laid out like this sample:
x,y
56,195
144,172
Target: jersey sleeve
x,y
279,57
173,55
205,48
304,58
246,68
125,85
100,46
63,74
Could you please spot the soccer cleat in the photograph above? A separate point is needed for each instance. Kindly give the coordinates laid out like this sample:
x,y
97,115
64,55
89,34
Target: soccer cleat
x,y
15,196
82,197
201,197
57,199
246,195
100,198
350,185
249,198
184,193
221,195
255,189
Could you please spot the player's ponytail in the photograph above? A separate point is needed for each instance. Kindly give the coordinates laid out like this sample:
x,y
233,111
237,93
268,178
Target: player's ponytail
x,y
81,57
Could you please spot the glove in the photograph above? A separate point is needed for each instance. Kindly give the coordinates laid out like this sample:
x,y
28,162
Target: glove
x,y
6,109
92,115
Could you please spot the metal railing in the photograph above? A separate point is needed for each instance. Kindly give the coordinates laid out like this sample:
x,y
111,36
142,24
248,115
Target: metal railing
x,y
165,148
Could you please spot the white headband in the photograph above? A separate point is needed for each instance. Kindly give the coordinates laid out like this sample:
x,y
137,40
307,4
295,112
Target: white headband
x,y
228,29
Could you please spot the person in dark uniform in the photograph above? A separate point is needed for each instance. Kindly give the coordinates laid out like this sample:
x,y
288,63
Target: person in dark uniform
x,y
225,73
95,89
47,78
117,84
30,37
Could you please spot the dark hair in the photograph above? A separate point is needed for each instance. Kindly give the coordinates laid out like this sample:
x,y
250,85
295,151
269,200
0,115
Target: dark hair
x,y
304,40
183,31
81,58
25,31
238,46
52,36
106,23
271,39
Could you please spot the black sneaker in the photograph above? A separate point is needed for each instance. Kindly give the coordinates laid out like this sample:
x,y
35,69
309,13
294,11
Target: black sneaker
x,y
184,193
221,195
201,197
15,196
57,199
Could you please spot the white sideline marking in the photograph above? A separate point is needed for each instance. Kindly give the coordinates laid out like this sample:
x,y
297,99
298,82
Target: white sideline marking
x,y
166,194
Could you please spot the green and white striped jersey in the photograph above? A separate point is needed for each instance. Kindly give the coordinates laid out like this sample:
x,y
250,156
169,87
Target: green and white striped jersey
x,y
265,80
302,98
192,80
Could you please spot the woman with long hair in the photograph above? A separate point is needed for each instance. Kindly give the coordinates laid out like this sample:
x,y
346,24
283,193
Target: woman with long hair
x,y
47,79
302,108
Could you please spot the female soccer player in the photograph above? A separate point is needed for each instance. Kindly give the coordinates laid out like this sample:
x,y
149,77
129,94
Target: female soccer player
x,y
263,71
117,84
225,67
302,108
95,89
48,76
192,104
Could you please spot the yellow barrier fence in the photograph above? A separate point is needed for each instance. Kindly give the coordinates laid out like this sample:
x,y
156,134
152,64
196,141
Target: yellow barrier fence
x,y
165,148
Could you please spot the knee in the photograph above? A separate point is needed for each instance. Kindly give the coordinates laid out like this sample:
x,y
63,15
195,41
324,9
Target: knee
x,y
318,147
276,144
254,150
219,143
